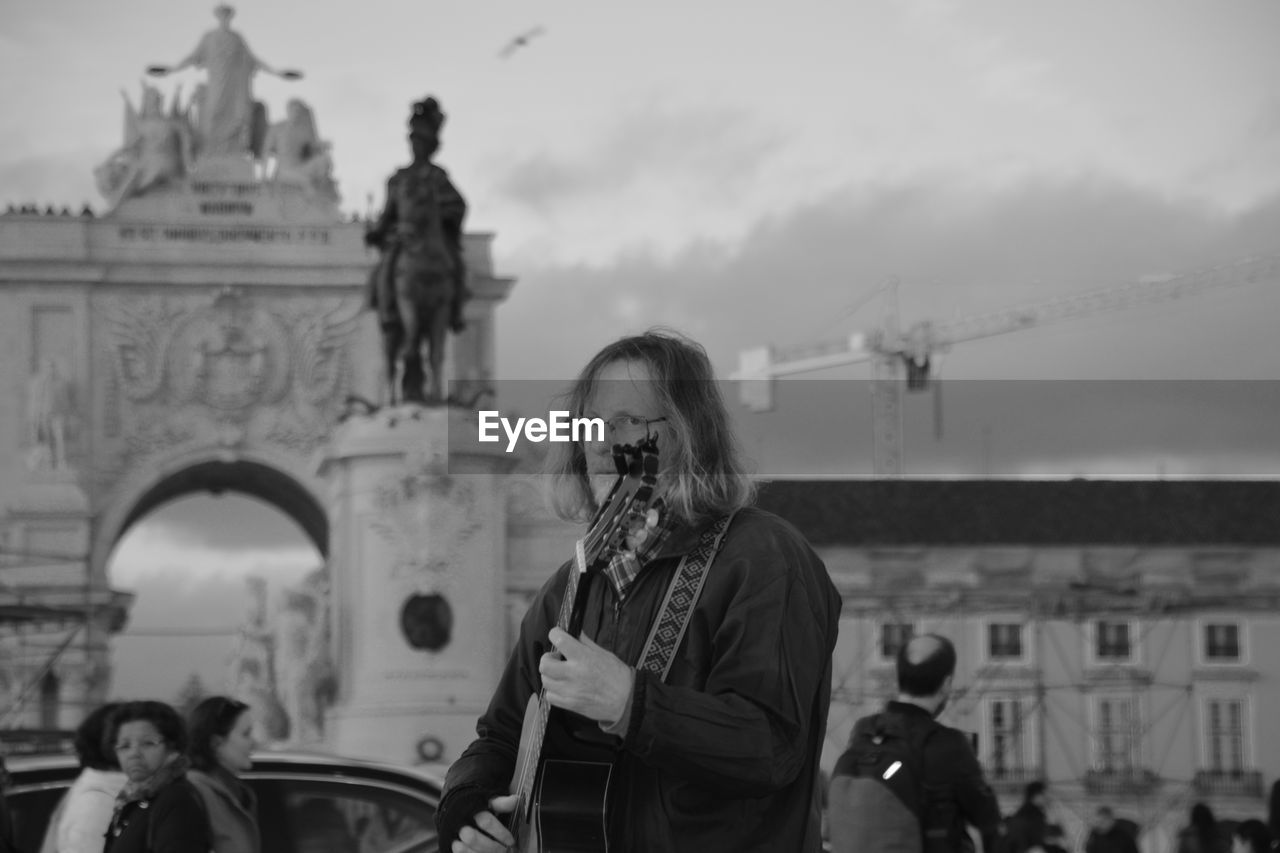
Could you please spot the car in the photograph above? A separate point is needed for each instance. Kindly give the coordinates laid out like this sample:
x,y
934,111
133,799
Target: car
x,y
307,803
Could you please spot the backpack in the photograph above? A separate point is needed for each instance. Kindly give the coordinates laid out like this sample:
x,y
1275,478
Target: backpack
x,y
877,796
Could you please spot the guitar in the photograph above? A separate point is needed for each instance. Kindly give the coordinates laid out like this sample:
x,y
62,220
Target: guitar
x,y
561,804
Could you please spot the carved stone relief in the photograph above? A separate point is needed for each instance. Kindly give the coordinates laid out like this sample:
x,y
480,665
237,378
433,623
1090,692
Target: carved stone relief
x,y
224,371
428,517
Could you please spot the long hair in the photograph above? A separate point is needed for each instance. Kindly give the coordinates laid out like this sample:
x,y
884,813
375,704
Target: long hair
x,y
704,474
214,717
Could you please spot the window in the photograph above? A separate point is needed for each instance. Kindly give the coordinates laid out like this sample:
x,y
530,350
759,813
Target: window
x,y
1116,735
1224,724
1222,642
322,817
1112,641
1004,641
1009,754
893,636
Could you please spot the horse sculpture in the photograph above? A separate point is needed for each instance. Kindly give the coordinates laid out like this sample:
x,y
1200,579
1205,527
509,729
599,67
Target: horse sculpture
x,y
413,301
419,285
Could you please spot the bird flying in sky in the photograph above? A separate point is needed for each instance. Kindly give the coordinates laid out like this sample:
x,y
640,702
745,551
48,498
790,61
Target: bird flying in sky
x,y
520,41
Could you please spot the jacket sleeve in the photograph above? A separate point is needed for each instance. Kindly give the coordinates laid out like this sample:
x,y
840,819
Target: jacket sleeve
x,y
179,822
83,827
770,626
485,768
978,804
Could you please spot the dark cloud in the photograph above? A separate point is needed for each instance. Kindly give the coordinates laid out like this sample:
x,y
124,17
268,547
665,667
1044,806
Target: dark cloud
x,y
802,276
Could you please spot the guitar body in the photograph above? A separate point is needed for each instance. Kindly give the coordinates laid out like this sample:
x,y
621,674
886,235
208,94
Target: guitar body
x,y
561,804
567,811
571,803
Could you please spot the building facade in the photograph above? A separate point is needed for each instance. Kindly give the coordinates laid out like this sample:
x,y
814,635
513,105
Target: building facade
x,y
1119,652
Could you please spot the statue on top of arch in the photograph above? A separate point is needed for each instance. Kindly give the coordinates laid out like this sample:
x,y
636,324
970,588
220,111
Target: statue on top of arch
x,y
220,132
227,119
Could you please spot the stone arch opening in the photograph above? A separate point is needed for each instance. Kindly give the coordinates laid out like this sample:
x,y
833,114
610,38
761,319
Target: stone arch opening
x,y
246,477
246,606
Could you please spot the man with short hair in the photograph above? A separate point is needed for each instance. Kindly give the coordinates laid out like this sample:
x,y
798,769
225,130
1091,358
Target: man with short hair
x,y
950,787
1108,836
722,751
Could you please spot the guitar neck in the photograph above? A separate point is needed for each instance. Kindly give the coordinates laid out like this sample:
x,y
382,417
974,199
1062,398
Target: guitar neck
x,y
624,509
572,607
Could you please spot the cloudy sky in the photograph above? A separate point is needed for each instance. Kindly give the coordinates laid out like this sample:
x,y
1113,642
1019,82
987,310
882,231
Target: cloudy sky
x,y
753,172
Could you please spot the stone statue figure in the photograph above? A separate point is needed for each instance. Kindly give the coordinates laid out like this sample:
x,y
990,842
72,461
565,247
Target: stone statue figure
x,y
303,665
49,407
301,156
157,150
253,675
419,285
227,117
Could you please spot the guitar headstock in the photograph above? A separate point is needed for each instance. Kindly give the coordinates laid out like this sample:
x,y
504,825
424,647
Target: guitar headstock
x,y
627,506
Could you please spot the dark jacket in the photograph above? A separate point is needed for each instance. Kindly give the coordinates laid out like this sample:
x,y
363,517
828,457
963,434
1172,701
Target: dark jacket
x,y
724,754
232,809
8,844
1114,840
172,820
956,792
1026,828
1189,841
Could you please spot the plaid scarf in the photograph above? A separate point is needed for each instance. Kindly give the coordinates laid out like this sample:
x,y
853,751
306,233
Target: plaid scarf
x,y
174,767
641,546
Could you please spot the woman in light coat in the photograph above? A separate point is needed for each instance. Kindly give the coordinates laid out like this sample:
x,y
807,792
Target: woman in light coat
x,y
221,745
79,824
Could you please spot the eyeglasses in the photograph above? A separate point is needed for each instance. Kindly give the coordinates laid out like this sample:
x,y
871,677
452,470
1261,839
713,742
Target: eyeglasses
x,y
630,424
148,743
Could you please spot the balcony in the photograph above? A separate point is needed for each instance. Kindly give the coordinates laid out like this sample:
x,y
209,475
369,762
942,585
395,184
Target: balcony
x,y
1121,782
1011,780
1228,783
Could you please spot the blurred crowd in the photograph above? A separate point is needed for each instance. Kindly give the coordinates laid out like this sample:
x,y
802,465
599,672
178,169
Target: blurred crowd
x,y
151,780
1032,829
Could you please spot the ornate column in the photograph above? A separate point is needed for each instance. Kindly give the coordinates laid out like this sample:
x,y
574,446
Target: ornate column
x,y
417,562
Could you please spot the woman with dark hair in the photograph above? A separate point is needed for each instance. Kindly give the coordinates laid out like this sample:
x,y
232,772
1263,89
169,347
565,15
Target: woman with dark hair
x,y
80,820
1203,835
221,745
158,810
1251,836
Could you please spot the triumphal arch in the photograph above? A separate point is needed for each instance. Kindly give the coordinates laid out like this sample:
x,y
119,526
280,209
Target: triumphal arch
x,y
206,331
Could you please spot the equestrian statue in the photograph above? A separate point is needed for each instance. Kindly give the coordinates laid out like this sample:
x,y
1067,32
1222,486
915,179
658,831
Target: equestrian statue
x,y
419,286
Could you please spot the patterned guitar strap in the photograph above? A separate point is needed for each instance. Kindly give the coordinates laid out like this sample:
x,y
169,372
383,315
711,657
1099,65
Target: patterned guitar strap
x,y
677,607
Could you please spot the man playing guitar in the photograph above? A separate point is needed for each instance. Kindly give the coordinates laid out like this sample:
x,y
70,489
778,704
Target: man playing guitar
x,y
702,734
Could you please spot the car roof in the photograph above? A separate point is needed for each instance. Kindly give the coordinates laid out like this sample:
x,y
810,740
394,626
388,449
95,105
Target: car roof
x,y
56,766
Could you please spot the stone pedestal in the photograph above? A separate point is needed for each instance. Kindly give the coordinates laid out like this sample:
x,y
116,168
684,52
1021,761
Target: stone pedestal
x,y
417,560
48,519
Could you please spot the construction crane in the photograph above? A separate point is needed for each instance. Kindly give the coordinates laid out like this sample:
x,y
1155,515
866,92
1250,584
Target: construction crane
x,y
891,351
